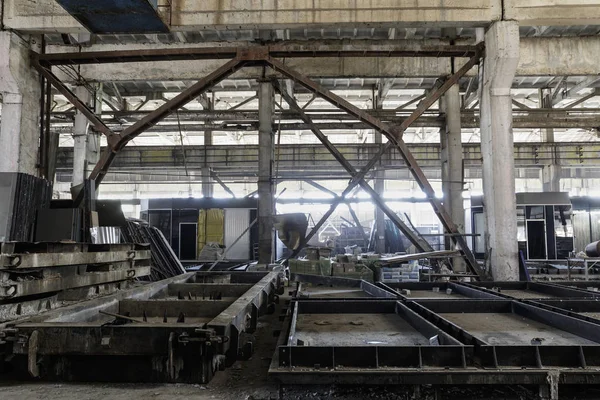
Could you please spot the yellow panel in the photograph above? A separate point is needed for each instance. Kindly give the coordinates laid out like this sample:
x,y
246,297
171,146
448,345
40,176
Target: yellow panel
x,y
211,227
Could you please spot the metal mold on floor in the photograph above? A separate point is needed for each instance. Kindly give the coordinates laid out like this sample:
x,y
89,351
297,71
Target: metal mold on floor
x,y
436,290
530,290
158,332
435,341
316,287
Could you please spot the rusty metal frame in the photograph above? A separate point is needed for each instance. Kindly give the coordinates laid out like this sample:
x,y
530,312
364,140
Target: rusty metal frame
x,y
116,141
394,136
309,49
98,124
418,242
263,55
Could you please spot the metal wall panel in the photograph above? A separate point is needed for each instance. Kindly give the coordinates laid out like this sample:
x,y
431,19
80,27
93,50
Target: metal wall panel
x,y
581,229
117,16
7,190
236,221
595,225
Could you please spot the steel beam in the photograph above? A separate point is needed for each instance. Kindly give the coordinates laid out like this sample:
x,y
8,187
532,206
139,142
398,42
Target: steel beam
x,y
420,244
160,113
294,50
214,175
394,136
98,124
411,102
568,118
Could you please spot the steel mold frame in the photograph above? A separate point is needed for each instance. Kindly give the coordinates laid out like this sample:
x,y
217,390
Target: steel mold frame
x,y
464,290
265,56
62,344
470,362
542,288
375,292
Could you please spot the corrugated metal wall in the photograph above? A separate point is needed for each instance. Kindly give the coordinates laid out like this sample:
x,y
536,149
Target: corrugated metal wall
x,y
581,229
236,221
585,223
595,214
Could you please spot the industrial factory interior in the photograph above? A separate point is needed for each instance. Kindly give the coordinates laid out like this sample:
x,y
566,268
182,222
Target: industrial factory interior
x,y
299,199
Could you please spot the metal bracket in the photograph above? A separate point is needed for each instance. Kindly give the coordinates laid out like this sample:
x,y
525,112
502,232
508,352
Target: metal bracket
x,y
32,359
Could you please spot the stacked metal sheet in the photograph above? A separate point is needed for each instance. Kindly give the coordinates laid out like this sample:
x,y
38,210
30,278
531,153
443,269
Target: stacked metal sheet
x,y
165,263
21,196
106,234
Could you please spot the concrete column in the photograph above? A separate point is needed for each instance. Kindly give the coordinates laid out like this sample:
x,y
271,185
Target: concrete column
x,y
266,204
20,89
86,142
379,187
207,181
93,138
80,133
452,167
501,58
550,173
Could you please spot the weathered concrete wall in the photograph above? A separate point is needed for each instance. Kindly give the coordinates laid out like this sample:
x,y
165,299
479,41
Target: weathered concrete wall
x,y
277,13
39,16
48,16
570,56
553,12
20,89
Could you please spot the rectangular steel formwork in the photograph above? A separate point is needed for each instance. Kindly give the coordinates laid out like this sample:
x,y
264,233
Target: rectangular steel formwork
x,y
154,333
436,290
530,290
316,287
526,344
586,309
592,286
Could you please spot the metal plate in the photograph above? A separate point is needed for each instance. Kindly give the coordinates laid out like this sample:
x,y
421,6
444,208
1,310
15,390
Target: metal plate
x,y
116,16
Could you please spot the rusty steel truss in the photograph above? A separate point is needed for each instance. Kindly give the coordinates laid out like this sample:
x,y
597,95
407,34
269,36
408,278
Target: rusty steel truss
x,y
266,56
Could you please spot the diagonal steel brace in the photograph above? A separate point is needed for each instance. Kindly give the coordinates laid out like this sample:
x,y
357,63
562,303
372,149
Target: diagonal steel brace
x,y
162,112
394,135
418,242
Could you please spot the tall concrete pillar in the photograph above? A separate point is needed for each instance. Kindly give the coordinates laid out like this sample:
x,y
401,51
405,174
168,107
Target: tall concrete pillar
x,y
21,91
551,172
80,134
207,184
93,138
86,142
501,58
379,187
207,181
452,166
266,203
